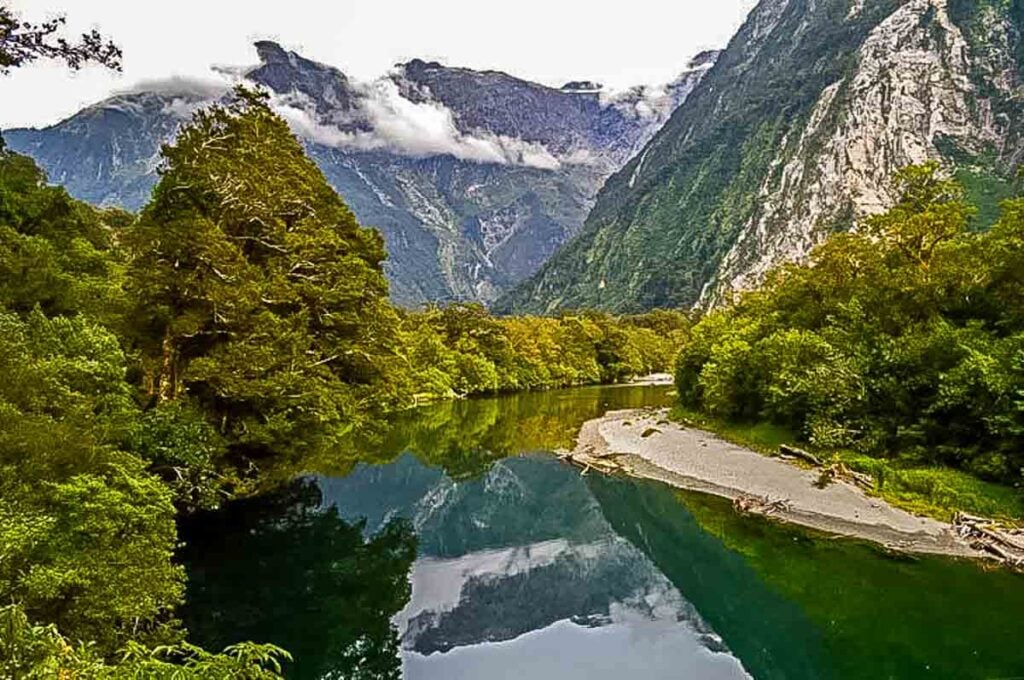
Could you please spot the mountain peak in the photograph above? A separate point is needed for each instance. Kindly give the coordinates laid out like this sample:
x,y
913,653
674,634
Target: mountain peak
x,y
421,65
271,52
286,72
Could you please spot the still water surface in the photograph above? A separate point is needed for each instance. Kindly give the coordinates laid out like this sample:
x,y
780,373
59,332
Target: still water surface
x,y
522,568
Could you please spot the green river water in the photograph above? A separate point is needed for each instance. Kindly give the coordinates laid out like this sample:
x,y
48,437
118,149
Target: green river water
x,y
522,568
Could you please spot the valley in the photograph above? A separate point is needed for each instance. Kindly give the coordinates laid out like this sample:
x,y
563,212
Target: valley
x,y
446,373
473,178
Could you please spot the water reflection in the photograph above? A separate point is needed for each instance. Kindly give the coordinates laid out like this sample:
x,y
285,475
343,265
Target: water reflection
x,y
791,604
519,559
282,568
465,437
525,569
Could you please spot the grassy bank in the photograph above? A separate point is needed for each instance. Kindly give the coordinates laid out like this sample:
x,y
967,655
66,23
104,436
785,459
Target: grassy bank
x,y
936,492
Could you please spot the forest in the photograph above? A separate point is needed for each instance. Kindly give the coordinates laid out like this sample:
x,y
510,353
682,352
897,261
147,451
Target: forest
x,y
158,364
239,327
178,381
902,342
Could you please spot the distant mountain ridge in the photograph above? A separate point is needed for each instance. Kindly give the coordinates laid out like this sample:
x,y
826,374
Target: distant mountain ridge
x,y
792,135
474,178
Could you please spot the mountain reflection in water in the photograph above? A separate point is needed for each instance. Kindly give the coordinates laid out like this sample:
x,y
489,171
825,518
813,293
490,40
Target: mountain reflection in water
x,y
526,569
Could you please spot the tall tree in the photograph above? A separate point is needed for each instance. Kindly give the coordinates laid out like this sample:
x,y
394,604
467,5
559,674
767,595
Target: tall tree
x,y
258,294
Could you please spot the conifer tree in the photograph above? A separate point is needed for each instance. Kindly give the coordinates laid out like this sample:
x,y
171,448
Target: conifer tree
x,y
257,293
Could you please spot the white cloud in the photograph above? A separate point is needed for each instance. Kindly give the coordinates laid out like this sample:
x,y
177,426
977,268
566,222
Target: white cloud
x,y
568,40
209,88
183,95
648,102
417,129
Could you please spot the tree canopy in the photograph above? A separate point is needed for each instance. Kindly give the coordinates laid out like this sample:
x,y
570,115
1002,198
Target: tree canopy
x,y
257,294
22,42
163,363
904,340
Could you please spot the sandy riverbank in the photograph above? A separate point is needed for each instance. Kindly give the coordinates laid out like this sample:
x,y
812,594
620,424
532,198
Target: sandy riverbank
x,y
653,379
700,461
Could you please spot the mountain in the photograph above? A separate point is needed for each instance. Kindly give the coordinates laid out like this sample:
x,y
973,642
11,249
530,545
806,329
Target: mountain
x,y
792,135
473,177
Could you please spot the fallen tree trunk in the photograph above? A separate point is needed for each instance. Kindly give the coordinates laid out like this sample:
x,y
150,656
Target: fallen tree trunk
x,y
985,535
801,454
760,505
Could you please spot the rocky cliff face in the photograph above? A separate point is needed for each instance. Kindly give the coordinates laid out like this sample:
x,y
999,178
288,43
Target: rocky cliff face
x,y
474,178
793,135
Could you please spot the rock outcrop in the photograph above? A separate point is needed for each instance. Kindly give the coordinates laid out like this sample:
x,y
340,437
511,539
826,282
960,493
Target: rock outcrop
x,y
793,135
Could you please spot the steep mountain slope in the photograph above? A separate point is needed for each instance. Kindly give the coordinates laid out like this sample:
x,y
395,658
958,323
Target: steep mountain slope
x,y
108,154
792,135
474,178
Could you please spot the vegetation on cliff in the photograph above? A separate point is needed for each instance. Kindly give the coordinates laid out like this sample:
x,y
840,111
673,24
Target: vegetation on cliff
x,y
901,343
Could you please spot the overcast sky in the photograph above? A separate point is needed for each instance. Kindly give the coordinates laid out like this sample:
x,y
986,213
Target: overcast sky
x,y
550,41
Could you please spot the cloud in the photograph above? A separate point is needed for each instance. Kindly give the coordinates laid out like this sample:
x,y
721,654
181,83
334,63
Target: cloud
x,y
185,87
383,120
181,96
647,102
656,103
391,122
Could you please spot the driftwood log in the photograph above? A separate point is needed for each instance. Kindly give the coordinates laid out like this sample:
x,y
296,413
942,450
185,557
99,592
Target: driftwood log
x,y
759,505
587,461
1004,545
839,472
801,454
832,473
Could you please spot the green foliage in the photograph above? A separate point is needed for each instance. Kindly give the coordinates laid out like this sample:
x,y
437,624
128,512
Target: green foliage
x,y
904,341
662,225
987,190
937,491
181,446
55,252
34,652
239,326
87,526
462,350
257,294
86,532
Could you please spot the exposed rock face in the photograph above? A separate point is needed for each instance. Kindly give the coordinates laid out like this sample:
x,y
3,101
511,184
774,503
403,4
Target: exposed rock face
x,y
512,174
910,98
793,135
283,71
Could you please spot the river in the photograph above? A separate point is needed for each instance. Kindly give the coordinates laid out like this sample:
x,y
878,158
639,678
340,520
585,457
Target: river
x,y
521,568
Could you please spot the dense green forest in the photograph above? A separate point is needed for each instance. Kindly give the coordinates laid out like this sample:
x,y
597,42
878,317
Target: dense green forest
x,y
160,363
903,341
